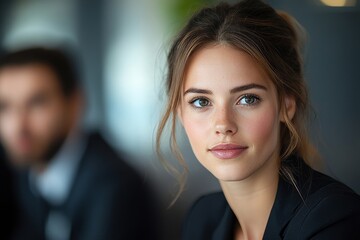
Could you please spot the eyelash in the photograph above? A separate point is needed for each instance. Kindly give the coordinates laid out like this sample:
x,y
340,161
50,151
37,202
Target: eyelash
x,y
256,98
192,102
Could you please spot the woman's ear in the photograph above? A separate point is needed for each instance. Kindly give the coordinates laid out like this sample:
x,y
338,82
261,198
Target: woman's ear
x,y
289,108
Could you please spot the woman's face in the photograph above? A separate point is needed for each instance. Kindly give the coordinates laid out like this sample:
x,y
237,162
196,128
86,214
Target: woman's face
x,y
230,113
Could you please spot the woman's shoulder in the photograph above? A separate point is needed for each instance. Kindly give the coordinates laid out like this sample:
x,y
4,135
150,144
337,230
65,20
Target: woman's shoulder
x,y
316,186
207,208
331,210
324,189
204,216
215,201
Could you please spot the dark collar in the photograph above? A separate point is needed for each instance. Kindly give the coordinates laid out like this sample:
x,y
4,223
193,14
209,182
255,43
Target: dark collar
x,y
287,201
225,229
288,197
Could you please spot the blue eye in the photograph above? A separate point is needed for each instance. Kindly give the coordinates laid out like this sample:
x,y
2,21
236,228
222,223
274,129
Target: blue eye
x,y
200,102
249,100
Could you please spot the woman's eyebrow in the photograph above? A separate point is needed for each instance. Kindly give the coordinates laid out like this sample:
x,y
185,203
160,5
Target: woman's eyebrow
x,y
197,90
234,90
247,87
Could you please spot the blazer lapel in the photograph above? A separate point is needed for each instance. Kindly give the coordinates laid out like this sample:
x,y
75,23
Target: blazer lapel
x,y
224,231
288,199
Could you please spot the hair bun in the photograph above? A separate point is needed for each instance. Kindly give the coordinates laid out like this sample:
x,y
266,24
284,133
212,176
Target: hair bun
x,y
298,32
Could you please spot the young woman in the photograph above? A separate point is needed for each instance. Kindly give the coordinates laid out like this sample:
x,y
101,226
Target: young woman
x,y
236,84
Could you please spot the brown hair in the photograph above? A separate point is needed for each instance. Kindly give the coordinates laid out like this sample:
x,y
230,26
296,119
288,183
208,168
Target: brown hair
x,y
59,61
273,39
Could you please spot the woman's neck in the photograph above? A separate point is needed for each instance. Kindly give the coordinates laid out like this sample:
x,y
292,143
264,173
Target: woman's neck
x,y
251,200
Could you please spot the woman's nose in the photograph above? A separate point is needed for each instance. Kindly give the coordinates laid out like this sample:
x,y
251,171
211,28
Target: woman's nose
x,y
225,123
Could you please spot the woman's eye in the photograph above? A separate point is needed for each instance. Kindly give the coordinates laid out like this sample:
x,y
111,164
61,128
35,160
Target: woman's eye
x,y
249,100
200,102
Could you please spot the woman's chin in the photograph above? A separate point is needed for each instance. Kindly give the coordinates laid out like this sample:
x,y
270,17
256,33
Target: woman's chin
x,y
230,175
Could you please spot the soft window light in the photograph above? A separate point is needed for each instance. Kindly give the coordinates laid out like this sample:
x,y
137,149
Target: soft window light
x,y
339,3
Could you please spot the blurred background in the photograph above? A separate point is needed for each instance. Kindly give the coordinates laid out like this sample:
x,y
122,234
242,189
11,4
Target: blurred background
x,y
122,46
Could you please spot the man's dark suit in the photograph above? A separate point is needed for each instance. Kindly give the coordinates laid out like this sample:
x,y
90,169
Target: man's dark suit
x,y
108,200
331,211
6,198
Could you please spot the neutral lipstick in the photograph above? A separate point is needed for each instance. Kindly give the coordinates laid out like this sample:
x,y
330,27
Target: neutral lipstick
x,y
227,151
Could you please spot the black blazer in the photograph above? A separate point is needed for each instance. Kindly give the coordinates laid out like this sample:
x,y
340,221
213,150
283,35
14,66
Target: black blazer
x,y
331,210
108,200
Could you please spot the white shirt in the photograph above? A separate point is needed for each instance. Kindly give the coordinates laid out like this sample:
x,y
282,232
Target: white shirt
x,y
55,182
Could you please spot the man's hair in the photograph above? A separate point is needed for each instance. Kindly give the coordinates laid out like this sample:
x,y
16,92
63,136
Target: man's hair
x,y
58,61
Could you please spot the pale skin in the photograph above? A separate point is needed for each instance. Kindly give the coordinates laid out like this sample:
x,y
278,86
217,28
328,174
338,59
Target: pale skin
x,y
34,113
228,100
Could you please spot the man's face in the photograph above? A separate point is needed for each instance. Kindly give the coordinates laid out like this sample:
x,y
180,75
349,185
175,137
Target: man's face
x,y
35,115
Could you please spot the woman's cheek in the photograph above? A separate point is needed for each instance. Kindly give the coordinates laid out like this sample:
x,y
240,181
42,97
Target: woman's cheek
x,y
194,129
197,133
262,128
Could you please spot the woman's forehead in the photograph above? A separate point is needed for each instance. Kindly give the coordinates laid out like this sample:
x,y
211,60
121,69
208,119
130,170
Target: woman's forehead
x,y
222,66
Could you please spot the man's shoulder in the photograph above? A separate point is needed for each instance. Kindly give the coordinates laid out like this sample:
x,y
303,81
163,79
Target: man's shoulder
x,y
102,164
98,148
103,155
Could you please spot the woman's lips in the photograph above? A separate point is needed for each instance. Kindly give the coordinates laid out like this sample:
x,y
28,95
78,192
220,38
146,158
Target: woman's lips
x,y
227,151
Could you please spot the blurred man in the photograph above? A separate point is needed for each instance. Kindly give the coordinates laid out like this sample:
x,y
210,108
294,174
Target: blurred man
x,y
69,184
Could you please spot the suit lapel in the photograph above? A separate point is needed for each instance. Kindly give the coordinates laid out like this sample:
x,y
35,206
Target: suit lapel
x,y
225,229
288,199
